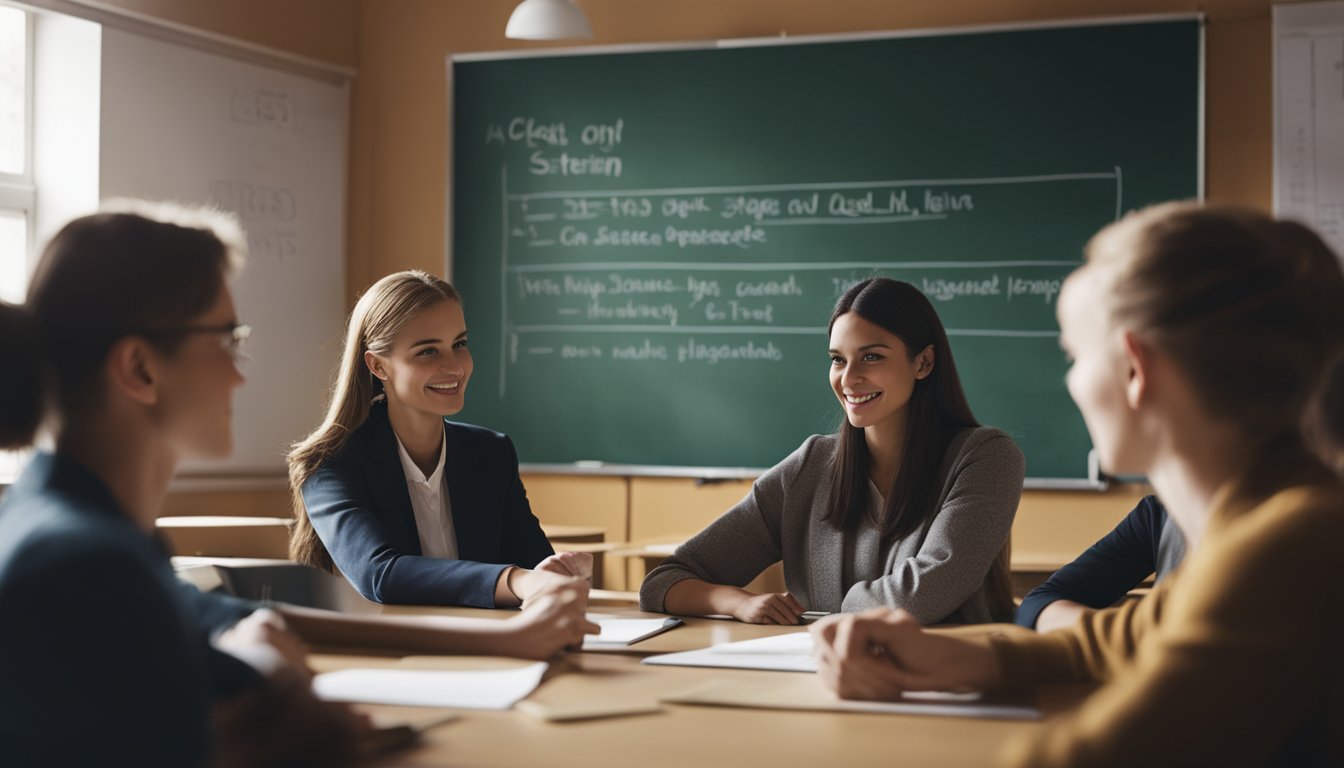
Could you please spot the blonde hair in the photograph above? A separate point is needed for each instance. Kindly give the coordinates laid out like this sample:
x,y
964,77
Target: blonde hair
x,y
1249,306
377,317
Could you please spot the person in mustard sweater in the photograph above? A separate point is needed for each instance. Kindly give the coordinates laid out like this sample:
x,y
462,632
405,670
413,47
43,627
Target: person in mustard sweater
x,y
1200,338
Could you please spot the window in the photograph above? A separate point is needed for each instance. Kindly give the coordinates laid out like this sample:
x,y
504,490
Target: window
x,y
13,90
16,177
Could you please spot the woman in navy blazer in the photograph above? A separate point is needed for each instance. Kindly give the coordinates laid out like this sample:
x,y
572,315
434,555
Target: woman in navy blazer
x,y
386,473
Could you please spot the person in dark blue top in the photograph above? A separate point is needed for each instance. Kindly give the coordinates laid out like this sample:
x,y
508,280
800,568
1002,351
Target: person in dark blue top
x,y
93,635
1146,542
410,507
130,335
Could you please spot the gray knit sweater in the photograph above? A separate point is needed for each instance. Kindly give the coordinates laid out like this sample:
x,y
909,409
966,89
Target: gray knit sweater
x,y
937,573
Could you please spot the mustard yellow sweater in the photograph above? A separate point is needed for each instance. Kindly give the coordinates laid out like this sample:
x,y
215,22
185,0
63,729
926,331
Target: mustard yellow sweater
x,y
1235,659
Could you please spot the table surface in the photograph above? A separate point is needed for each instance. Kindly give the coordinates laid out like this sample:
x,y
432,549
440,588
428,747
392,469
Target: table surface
x,y
576,533
678,735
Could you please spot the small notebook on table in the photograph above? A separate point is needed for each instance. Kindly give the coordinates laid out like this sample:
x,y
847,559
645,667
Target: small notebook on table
x,y
619,633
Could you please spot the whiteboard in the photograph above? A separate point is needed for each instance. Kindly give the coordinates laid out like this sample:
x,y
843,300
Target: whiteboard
x,y
179,123
1309,117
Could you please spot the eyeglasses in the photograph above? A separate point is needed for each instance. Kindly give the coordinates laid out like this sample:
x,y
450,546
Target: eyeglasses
x,y
233,336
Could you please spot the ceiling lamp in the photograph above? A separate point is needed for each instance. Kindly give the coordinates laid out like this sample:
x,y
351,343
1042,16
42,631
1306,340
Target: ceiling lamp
x,y
548,20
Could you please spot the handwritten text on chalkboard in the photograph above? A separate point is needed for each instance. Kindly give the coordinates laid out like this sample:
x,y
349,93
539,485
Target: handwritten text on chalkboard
x,y
549,141
731,280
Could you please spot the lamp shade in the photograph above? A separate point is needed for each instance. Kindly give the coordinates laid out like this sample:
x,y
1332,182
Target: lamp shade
x,y
548,20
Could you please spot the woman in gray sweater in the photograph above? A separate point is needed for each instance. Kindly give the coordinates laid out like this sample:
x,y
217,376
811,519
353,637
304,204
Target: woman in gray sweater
x,y
909,505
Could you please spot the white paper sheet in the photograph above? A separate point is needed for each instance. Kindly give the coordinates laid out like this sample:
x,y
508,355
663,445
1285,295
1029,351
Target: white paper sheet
x,y
619,633
475,689
790,652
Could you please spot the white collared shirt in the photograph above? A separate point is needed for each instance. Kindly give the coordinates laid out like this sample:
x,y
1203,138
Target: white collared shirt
x,y
430,502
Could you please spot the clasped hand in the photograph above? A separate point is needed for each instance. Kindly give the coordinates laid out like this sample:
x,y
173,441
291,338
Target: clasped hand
x,y
881,653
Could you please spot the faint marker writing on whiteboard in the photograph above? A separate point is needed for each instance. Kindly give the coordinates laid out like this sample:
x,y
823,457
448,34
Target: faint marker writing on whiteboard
x,y
1309,117
268,213
262,106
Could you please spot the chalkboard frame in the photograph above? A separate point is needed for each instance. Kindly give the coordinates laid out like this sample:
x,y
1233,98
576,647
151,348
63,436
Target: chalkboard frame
x,y
1095,479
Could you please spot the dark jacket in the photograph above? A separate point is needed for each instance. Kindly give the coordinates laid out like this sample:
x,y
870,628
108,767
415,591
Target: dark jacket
x,y
359,505
1144,543
100,663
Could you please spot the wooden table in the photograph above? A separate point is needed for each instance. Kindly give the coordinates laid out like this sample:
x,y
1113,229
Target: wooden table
x,y
681,736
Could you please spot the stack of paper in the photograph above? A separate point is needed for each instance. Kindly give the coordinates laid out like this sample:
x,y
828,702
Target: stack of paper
x,y
789,653
619,633
474,689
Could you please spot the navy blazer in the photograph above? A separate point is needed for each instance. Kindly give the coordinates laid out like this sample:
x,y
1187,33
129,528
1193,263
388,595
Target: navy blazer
x,y
1145,542
360,506
100,663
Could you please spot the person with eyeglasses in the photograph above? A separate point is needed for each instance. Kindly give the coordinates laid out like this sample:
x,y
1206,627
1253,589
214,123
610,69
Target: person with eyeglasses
x,y
127,338
233,336
127,346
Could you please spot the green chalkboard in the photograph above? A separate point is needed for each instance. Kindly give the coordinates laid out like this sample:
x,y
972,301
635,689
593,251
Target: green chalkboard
x,y
650,242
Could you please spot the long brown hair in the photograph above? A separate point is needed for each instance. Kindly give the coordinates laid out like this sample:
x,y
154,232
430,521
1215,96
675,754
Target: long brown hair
x,y
938,411
1251,309
377,317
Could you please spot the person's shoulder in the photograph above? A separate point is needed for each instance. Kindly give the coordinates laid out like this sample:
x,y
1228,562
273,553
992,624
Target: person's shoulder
x,y
1298,516
813,459
486,447
821,444
1287,538
475,435
59,538
1149,513
978,435
986,442
817,450
376,423
54,512
374,431
466,431
1276,557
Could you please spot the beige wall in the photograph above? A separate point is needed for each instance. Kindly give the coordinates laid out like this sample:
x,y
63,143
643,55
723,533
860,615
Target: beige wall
x,y
327,30
399,141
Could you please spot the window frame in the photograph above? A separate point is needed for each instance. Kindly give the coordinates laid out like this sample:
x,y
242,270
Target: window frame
x,y
18,193
17,190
